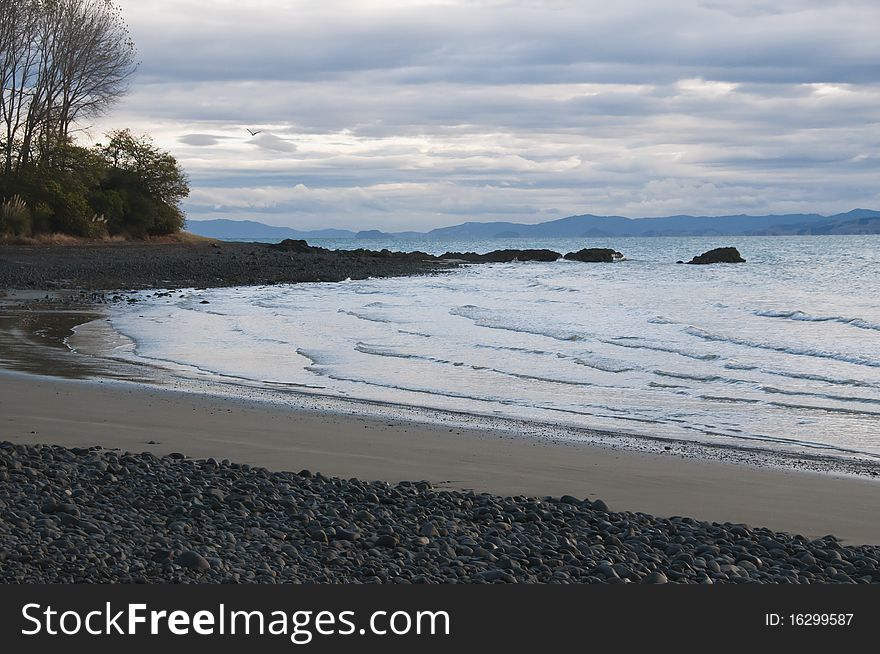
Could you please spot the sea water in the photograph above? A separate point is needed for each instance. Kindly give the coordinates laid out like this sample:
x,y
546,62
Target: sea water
x,y
781,352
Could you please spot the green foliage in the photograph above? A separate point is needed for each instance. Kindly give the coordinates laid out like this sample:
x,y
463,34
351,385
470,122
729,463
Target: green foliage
x,y
128,187
147,186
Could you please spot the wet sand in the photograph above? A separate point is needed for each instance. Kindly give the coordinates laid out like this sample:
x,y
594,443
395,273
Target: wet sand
x,y
137,418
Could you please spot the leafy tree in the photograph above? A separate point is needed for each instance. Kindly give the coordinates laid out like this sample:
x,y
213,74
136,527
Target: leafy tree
x,y
142,187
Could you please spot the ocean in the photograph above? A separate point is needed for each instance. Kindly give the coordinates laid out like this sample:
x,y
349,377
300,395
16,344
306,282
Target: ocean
x,y
781,353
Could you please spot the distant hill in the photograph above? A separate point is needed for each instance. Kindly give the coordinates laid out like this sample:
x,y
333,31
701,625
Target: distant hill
x,y
858,221
604,226
373,233
249,229
866,225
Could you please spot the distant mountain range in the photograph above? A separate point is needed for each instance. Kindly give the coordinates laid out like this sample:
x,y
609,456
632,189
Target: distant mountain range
x,y
858,221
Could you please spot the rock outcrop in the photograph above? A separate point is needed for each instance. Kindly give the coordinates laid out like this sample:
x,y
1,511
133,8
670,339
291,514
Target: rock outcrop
x,y
718,255
503,256
595,255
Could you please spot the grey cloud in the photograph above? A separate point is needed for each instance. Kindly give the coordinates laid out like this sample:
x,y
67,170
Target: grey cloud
x,y
274,143
199,140
511,109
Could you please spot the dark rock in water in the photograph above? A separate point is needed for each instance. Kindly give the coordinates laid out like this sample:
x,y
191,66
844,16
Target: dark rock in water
x,y
719,255
595,255
193,561
470,257
500,256
504,256
385,253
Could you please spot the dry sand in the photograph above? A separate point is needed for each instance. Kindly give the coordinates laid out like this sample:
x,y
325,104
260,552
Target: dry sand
x,y
127,416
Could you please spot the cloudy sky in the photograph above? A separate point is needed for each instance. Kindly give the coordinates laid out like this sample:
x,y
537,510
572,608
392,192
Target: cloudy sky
x,y
413,114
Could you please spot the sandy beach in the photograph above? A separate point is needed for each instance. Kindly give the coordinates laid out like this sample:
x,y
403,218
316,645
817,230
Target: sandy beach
x,y
136,418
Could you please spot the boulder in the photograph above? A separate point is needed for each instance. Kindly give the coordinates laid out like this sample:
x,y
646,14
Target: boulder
x,y
595,255
719,255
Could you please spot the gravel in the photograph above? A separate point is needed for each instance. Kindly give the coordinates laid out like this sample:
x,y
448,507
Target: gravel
x,y
133,265
101,516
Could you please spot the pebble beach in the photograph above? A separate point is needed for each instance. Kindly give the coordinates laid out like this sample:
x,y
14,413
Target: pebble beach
x,y
97,516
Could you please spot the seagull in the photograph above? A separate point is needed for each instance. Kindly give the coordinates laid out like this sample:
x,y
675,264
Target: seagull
x,y
254,132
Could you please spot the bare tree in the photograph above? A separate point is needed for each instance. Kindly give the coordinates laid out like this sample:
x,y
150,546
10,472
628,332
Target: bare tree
x,y
19,56
61,62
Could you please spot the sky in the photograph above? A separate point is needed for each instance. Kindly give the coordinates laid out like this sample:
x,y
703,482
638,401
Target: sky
x,y
399,115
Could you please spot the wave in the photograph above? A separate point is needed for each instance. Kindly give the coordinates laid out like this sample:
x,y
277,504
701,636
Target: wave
x,y
497,320
825,409
367,317
858,383
824,396
507,348
537,283
636,343
695,377
732,400
805,317
797,351
408,333
377,350
600,363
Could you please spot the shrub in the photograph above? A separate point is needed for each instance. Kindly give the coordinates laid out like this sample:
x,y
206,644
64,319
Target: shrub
x,y
15,218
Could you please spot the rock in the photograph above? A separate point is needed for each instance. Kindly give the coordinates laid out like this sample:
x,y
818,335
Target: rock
x,y
387,540
503,256
429,529
655,578
296,245
193,561
350,535
162,556
595,255
718,255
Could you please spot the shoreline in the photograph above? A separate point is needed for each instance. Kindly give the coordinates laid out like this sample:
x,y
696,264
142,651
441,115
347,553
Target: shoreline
x,y
136,418
118,410
52,342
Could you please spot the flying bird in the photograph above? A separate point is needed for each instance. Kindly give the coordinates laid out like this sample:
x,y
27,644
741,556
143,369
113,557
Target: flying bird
x,y
254,132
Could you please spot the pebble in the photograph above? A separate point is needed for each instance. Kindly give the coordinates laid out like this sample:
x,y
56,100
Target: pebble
x,y
179,520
